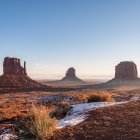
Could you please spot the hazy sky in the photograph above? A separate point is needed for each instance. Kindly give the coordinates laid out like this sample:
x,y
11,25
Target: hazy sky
x,y
53,35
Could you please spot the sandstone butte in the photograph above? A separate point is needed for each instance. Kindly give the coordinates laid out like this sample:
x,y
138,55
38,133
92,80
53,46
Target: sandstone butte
x,y
15,76
126,70
71,76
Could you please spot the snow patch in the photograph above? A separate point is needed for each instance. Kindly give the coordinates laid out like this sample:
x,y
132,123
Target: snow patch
x,y
8,137
78,112
54,99
135,99
71,120
4,130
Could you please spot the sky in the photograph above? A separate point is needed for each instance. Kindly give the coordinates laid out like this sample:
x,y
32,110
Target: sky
x,y
52,35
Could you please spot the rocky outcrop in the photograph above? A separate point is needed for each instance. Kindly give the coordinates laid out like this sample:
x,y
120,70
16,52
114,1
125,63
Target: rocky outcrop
x,y
15,76
126,71
12,66
71,76
70,73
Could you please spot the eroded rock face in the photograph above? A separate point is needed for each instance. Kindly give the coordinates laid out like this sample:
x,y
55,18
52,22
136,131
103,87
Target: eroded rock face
x,y
126,71
71,76
70,72
15,76
12,66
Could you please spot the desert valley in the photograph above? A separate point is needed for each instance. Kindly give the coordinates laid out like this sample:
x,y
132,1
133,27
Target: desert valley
x,y
69,108
69,69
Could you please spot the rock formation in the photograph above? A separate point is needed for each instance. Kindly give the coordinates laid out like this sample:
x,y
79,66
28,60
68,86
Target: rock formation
x,y
11,66
15,76
126,71
71,76
70,73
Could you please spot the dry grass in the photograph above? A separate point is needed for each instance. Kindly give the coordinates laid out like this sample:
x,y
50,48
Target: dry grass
x,y
15,105
96,97
91,96
61,111
39,123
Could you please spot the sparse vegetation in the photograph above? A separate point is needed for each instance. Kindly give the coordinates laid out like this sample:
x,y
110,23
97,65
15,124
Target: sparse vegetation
x,y
61,111
99,97
38,123
14,106
90,95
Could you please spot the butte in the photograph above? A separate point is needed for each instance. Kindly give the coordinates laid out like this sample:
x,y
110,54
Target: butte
x,y
126,74
15,76
71,76
126,70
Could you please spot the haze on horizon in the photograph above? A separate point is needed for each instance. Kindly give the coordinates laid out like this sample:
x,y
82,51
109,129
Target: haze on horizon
x,y
90,35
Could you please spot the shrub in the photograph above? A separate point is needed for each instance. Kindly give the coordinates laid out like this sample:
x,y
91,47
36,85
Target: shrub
x,y
38,123
61,111
99,97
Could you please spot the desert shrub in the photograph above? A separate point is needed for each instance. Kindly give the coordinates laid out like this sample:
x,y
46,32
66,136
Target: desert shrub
x,y
61,111
82,96
99,97
1,106
38,123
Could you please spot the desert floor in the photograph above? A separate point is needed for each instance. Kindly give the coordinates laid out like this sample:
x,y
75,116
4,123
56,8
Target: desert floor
x,y
119,122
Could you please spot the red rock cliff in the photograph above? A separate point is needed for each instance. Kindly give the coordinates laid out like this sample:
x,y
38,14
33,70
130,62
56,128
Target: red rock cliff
x,y
12,66
15,76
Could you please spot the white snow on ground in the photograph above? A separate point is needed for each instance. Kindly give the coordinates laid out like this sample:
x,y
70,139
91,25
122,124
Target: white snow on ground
x,y
135,99
8,137
71,120
4,130
78,112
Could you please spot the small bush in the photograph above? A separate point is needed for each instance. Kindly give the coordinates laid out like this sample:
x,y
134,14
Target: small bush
x,y
61,111
99,97
38,123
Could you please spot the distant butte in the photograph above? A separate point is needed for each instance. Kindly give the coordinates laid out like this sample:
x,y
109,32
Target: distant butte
x,y
71,76
126,70
15,76
125,75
